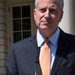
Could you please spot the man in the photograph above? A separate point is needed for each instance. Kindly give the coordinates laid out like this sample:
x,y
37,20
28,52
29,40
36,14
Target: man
x,y
25,56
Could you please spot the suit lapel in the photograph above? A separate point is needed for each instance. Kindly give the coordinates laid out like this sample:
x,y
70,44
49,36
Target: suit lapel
x,y
35,52
61,50
37,65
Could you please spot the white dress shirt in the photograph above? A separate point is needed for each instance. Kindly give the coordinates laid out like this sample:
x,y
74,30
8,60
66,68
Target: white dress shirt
x,y
53,44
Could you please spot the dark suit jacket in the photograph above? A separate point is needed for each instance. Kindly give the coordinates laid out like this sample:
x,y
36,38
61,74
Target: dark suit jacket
x,y
24,57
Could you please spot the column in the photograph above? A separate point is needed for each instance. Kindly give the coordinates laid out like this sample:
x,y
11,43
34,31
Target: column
x,y
73,15
66,23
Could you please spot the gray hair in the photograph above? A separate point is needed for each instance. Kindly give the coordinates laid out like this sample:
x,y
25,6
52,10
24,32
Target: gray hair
x,y
61,3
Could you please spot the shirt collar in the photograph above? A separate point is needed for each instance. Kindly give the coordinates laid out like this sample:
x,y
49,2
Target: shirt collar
x,y
40,38
53,39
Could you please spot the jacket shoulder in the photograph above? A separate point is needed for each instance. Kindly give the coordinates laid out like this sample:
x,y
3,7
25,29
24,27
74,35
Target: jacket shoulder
x,y
67,37
70,40
70,37
24,42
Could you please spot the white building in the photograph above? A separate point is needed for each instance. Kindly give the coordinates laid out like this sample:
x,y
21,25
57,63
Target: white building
x,y
16,23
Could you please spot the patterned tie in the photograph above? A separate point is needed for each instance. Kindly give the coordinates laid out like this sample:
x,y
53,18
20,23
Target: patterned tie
x,y
45,59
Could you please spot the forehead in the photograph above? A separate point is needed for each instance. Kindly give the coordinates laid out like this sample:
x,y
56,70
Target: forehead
x,y
48,2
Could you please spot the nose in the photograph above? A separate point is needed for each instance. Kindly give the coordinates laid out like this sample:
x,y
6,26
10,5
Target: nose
x,y
47,14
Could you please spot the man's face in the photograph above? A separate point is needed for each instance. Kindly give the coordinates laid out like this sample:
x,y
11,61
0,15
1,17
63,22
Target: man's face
x,y
47,16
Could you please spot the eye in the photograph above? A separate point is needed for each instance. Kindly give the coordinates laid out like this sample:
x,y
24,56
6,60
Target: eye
x,y
53,10
42,10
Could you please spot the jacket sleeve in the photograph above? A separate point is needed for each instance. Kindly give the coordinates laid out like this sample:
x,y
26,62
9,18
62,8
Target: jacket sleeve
x,y
11,66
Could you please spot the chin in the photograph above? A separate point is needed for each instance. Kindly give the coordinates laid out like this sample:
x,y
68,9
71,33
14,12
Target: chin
x,y
44,30
44,27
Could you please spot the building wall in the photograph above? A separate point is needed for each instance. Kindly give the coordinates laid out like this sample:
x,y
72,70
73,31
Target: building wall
x,y
3,36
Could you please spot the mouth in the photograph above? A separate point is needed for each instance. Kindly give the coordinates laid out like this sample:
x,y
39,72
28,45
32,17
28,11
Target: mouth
x,y
45,22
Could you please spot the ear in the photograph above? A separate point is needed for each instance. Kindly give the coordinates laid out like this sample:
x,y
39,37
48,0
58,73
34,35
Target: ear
x,y
61,15
34,14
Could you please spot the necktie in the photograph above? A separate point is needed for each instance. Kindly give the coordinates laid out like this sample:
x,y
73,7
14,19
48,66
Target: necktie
x,y
45,59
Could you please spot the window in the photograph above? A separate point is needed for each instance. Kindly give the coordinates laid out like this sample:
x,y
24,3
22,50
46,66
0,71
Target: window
x,y
21,20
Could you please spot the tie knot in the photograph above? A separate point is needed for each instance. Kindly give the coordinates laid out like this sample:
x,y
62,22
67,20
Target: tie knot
x,y
47,41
